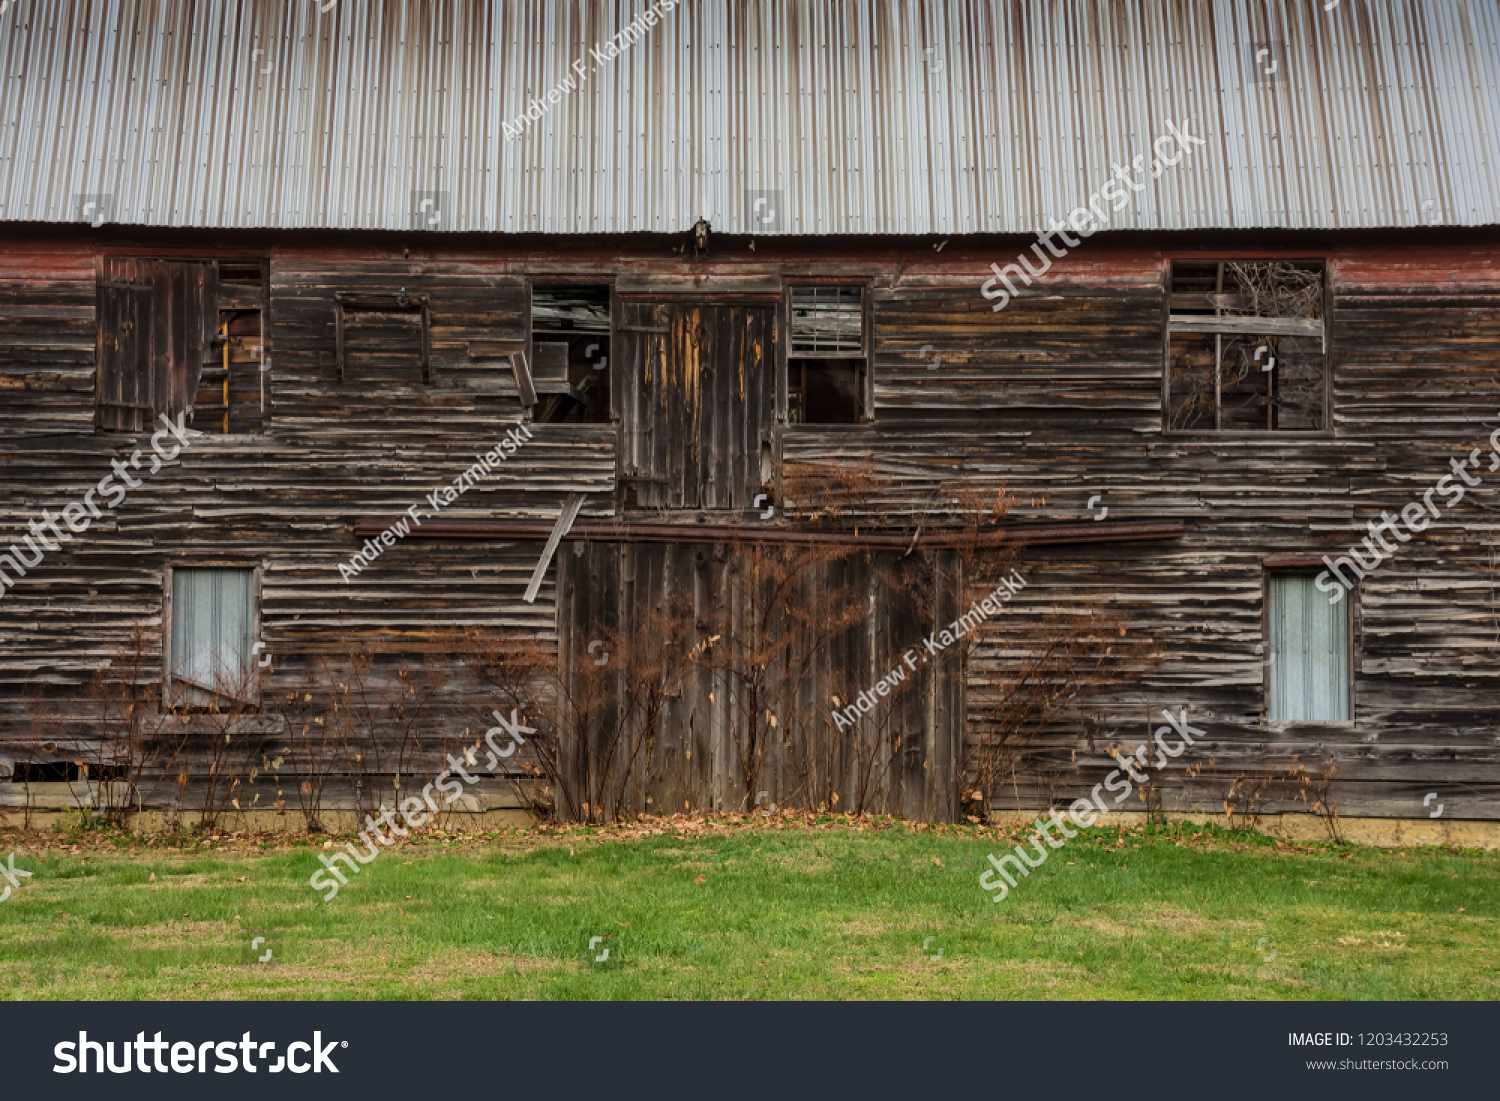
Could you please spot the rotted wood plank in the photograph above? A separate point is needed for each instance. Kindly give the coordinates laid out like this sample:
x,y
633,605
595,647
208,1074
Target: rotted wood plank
x,y
564,522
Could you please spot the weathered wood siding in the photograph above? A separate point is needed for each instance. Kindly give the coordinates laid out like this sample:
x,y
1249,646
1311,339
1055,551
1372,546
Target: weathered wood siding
x,y
473,390
284,499
1056,398
48,299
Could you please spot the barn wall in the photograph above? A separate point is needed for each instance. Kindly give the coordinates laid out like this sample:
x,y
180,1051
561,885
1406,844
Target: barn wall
x,y
48,292
1056,398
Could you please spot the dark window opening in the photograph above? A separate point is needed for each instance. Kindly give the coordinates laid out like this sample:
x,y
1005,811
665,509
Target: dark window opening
x,y
45,772
570,326
242,274
824,391
231,395
1246,346
827,364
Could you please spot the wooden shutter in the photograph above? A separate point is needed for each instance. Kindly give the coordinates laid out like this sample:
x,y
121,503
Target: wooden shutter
x,y
123,390
157,318
384,338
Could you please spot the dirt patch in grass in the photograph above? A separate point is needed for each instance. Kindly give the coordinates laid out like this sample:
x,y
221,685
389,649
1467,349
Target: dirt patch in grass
x,y
1171,919
1110,927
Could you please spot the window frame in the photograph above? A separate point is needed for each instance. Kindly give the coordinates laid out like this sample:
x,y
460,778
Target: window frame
x,y
1327,429
263,349
1310,566
390,304
865,414
257,570
612,415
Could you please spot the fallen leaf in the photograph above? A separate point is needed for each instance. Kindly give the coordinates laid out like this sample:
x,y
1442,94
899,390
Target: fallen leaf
x,y
700,879
938,862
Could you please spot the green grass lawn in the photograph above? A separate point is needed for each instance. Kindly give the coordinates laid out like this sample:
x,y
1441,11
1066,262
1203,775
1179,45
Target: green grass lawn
x,y
722,909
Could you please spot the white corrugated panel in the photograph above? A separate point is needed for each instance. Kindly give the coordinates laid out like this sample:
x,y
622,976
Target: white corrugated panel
x,y
1309,652
881,117
213,621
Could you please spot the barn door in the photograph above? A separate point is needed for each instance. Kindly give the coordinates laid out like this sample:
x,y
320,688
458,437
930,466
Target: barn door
x,y
901,756
696,401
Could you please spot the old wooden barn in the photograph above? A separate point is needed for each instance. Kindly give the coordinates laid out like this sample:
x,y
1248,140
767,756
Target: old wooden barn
x,y
348,358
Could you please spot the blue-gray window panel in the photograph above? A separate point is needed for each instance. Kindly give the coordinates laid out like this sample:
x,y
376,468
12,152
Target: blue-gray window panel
x,y
1310,649
212,622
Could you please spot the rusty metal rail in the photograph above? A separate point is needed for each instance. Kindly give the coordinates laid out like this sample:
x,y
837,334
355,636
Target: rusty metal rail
x,y
629,532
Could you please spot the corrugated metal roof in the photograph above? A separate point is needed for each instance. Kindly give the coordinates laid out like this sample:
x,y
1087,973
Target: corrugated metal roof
x,y
876,117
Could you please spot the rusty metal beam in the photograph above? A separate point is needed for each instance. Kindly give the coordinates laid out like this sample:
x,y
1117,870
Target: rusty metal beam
x,y
627,532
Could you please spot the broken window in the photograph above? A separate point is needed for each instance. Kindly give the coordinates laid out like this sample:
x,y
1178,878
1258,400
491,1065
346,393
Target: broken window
x,y
157,320
827,359
1247,346
570,352
231,396
384,338
1309,651
212,613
